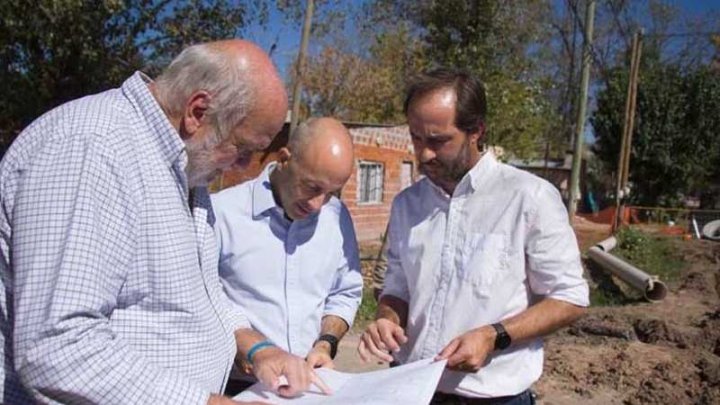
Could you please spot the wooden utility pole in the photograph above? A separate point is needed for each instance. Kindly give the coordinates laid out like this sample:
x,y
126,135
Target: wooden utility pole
x,y
582,106
300,63
623,170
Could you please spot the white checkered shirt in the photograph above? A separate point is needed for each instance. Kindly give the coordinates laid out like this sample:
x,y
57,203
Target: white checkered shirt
x,y
110,291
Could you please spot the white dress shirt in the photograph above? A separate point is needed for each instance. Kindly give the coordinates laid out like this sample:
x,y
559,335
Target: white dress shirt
x,y
499,243
286,275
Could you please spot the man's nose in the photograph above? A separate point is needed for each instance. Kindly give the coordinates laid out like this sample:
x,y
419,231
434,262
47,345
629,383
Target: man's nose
x,y
317,202
425,154
265,142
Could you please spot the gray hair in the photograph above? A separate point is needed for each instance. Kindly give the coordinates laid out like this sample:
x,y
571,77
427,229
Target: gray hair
x,y
205,67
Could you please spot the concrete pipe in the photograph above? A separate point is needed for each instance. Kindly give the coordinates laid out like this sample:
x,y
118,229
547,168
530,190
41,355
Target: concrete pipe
x,y
608,244
653,289
711,230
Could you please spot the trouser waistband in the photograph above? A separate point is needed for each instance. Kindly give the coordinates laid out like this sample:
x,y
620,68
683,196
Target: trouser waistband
x,y
441,398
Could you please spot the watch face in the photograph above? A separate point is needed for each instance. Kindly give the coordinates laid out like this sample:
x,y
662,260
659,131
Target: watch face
x,y
503,341
333,344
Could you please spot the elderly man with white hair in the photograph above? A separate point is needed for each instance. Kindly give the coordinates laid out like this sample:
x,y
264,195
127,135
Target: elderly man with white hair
x,y
110,290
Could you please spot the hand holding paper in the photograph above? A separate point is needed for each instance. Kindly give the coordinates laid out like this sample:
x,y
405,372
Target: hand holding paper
x,y
273,363
412,383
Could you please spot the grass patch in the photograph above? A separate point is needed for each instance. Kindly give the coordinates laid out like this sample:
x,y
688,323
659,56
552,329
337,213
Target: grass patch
x,y
366,312
650,253
653,254
609,297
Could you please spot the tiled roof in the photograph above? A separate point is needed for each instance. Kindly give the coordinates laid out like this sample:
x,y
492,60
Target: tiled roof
x,y
397,137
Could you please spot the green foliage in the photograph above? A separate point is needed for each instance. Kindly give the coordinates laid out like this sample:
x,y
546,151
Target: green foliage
x,y
368,307
607,298
519,117
490,38
674,150
495,39
633,243
56,50
363,88
652,254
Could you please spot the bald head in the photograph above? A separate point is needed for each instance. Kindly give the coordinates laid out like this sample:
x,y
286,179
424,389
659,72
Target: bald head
x,y
238,76
325,140
317,162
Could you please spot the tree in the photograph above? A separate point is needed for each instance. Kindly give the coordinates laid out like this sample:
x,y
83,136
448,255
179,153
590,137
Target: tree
x,y
519,117
675,152
56,50
405,37
364,89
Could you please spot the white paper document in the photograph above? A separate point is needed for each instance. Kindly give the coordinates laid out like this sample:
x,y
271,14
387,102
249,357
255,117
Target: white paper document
x,y
412,383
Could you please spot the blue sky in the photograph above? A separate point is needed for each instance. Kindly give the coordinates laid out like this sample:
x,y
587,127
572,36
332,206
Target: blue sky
x,y
287,36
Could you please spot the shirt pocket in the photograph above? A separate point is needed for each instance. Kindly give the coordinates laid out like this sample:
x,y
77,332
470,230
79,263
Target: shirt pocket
x,y
484,261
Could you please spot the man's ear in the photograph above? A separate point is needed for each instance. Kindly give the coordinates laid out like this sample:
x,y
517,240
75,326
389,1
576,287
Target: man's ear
x,y
195,114
478,137
284,156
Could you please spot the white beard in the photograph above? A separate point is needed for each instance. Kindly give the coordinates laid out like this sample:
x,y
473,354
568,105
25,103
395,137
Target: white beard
x,y
201,167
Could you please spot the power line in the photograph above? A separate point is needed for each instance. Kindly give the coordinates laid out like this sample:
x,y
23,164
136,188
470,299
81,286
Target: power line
x,y
683,34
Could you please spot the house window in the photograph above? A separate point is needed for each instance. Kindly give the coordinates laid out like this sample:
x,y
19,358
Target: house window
x,y
370,182
406,175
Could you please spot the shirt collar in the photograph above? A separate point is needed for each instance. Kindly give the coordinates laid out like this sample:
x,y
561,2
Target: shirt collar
x,y
473,179
482,169
165,136
262,195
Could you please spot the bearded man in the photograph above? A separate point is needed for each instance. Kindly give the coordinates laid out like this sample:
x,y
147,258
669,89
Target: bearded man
x,y
110,290
481,260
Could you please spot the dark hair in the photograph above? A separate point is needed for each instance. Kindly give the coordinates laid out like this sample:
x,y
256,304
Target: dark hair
x,y
470,107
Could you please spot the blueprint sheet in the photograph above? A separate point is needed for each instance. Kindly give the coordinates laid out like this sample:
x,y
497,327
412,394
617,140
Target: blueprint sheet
x,y
412,383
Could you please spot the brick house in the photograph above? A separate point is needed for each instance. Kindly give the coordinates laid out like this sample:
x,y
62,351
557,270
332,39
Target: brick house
x,y
384,165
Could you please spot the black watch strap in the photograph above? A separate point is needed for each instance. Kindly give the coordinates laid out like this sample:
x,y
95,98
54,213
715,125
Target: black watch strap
x,y
333,344
502,338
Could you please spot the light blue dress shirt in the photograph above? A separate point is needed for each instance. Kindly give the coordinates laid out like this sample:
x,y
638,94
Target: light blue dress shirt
x,y
110,292
286,275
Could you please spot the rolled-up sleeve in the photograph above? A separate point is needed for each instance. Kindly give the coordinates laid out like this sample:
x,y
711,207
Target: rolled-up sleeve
x,y
395,280
555,269
73,240
344,297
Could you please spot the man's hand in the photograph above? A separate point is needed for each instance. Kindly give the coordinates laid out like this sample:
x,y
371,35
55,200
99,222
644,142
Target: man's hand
x,y
221,400
269,364
380,338
467,352
319,356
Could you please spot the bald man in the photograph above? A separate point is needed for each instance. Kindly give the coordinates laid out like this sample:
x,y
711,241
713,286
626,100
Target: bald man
x,y
288,253
110,291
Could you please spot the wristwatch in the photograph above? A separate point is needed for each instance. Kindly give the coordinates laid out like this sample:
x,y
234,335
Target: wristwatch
x,y
502,338
333,343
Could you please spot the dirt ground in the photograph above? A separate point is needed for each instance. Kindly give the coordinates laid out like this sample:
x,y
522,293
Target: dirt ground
x,y
638,353
644,353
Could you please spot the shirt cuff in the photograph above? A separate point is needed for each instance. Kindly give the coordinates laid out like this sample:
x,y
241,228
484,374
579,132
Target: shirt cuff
x,y
346,314
236,320
578,295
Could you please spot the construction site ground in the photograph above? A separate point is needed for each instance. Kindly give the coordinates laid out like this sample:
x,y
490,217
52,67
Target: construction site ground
x,y
634,353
